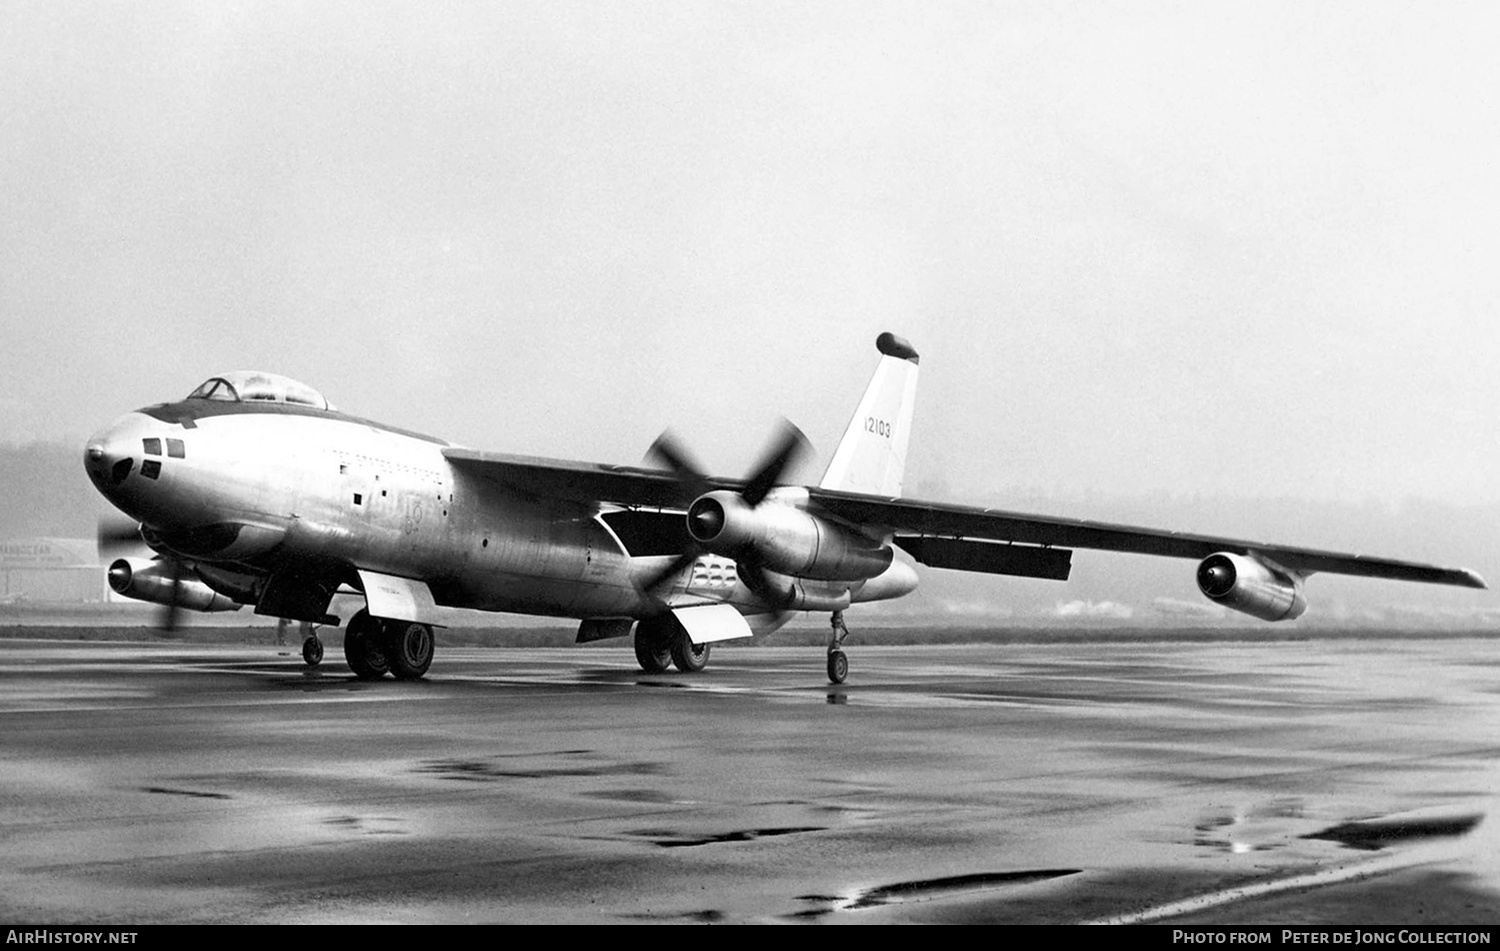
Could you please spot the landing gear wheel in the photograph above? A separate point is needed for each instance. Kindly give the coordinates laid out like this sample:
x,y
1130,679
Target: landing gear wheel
x,y
363,649
408,649
838,666
312,651
651,649
689,657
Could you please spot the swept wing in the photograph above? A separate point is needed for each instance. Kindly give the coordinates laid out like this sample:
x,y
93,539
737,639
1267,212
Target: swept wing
x,y
941,534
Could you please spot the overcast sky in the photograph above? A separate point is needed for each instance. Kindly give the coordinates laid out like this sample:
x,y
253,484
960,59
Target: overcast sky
x,y
1212,248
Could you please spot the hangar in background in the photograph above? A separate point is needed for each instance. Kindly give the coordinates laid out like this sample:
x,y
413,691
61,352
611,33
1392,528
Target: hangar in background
x,y
51,571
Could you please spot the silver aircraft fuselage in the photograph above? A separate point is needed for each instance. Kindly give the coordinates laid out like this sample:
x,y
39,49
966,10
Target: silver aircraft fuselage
x,y
258,486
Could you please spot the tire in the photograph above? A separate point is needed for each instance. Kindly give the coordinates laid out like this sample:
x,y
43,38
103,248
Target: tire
x,y
651,647
687,656
838,667
363,650
312,651
408,649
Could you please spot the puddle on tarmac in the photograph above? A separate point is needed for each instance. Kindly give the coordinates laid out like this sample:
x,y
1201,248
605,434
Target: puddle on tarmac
x,y
679,840
706,917
367,825
926,889
653,796
195,793
1375,834
1260,828
496,768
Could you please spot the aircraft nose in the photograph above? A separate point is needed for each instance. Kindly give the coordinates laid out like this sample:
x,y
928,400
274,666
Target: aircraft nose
x,y
108,458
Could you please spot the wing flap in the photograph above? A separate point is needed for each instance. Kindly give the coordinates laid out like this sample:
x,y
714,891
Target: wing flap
x,y
995,558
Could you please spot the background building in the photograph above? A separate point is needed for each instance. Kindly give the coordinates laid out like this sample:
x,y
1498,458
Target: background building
x,y
51,570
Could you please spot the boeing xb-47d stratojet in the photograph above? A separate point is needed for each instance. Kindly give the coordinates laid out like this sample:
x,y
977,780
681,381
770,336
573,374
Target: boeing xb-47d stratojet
x,y
253,490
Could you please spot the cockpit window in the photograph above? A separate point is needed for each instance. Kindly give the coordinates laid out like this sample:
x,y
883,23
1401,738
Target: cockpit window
x,y
255,386
215,389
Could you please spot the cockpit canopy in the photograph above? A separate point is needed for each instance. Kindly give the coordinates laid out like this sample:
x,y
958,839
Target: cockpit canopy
x,y
244,386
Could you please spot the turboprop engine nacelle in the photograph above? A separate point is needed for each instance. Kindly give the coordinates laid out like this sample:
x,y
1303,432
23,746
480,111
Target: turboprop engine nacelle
x,y
1251,586
784,539
147,580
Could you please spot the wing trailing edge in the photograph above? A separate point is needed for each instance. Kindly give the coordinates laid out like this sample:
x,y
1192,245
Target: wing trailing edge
x,y
932,519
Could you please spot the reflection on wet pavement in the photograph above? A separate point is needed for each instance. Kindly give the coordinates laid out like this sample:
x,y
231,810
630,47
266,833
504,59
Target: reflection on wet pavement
x,y
929,889
1260,828
1376,834
185,792
1113,782
677,840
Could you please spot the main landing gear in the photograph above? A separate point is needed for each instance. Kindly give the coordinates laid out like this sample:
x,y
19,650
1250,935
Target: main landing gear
x,y
660,641
838,662
373,646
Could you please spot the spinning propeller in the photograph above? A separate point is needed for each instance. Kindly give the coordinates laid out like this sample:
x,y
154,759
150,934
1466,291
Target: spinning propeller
x,y
705,516
119,541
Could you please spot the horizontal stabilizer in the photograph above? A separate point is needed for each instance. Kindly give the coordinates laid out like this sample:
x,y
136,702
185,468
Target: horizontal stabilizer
x,y
707,623
1024,561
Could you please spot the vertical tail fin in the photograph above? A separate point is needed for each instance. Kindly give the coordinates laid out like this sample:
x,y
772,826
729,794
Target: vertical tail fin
x,y
871,458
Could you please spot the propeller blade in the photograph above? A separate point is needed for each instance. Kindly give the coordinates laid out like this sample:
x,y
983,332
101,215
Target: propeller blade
x,y
764,585
168,623
659,581
669,450
785,449
788,446
116,535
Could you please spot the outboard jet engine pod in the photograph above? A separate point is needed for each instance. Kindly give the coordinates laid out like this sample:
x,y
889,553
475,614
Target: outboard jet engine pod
x,y
147,580
784,539
1250,586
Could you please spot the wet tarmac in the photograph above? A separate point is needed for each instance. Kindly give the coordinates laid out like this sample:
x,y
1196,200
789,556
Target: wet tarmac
x,y
1316,782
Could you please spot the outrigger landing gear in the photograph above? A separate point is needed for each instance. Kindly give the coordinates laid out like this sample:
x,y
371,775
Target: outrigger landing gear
x,y
838,662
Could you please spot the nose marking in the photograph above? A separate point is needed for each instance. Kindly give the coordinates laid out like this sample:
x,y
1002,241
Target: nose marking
x,y
121,470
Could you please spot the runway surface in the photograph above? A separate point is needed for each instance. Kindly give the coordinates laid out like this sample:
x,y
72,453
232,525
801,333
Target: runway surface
x,y
1312,782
